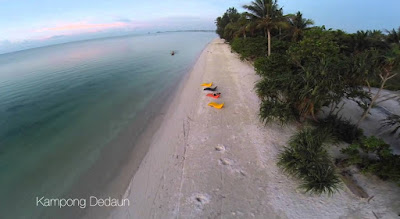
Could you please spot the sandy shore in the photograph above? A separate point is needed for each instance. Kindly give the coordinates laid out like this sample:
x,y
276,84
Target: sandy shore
x,y
209,163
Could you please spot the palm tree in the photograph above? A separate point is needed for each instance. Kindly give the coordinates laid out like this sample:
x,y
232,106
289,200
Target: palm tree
x,y
361,41
393,36
243,25
298,24
230,31
267,15
251,27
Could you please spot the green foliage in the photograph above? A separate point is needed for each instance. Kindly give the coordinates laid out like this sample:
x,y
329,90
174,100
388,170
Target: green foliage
x,y
273,110
230,16
250,48
229,31
342,129
275,64
298,24
314,73
373,155
318,44
393,84
393,36
268,16
307,159
389,63
311,68
392,121
309,76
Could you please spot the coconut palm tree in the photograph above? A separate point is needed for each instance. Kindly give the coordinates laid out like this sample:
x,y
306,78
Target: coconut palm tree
x,y
230,31
268,16
298,25
393,36
360,41
243,25
251,27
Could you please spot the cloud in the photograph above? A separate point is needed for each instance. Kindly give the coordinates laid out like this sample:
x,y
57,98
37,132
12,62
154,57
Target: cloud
x,y
125,20
84,26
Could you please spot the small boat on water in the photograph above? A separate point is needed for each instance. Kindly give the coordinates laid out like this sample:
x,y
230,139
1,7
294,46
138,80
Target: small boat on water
x,y
172,53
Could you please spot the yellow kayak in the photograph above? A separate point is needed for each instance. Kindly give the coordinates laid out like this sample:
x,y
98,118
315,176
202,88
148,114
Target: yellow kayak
x,y
216,105
206,84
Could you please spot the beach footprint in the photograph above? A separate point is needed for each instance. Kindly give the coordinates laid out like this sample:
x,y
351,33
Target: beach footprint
x,y
225,161
220,148
200,199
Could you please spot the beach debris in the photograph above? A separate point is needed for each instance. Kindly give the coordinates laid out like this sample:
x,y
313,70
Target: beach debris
x,y
369,199
211,89
206,84
352,184
216,105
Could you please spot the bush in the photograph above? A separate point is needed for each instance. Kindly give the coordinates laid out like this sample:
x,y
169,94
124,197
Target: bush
x,y
272,65
373,155
392,121
250,48
272,110
310,75
307,159
342,129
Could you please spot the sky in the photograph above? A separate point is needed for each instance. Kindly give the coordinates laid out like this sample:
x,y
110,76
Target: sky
x,y
25,21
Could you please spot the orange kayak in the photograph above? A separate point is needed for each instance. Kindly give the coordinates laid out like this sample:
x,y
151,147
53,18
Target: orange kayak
x,y
213,96
207,84
216,105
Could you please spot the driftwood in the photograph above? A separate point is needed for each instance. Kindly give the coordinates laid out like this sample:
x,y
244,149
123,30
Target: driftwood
x,y
349,181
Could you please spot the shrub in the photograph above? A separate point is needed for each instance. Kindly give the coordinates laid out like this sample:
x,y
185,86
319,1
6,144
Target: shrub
x,y
310,75
250,48
373,155
342,129
392,121
272,65
307,159
272,110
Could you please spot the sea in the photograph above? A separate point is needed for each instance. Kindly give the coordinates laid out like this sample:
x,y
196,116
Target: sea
x,y
71,115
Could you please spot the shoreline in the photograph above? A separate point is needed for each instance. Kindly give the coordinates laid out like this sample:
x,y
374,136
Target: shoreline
x,y
170,112
123,155
121,182
209,163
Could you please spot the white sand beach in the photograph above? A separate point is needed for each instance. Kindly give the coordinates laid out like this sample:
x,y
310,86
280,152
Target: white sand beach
x,y
210,163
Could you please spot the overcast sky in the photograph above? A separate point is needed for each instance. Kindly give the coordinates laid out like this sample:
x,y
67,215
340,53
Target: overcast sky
x,y
22,20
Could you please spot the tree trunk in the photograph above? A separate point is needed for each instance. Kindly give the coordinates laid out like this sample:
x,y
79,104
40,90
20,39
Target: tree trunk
x,y
370,106
269,41
375,98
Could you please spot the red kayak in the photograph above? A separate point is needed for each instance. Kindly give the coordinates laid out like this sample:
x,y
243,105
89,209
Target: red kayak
x,y
214,96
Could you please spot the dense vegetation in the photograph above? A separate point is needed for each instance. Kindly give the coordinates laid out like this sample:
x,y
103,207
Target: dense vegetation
x,y
305,69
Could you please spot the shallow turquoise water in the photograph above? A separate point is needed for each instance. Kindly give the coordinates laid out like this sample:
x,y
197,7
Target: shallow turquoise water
x,y
61,106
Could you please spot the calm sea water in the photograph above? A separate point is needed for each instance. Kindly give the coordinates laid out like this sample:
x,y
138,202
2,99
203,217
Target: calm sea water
x,y
62,106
